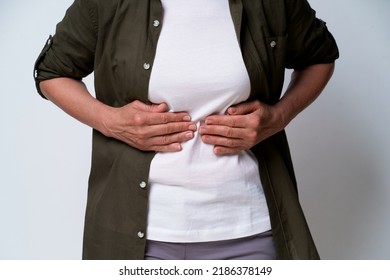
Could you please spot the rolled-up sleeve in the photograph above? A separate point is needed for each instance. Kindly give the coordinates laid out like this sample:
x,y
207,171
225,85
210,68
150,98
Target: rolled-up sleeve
x,y
71,51
308,39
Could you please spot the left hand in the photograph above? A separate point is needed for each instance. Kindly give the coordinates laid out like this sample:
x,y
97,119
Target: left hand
x,y
242,127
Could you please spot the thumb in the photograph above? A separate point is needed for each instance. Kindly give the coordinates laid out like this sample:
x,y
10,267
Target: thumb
x,y
158,108
152,108
244,108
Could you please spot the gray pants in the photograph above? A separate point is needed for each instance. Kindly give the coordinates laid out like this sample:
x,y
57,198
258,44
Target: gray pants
x,y
256,247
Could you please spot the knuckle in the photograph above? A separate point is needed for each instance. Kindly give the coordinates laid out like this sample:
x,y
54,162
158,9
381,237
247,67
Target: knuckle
x,y
250,139
165,118
230,142
168,129
229,132
164,140
142,134
254,122
136,102
138,119
257,103
252,135
233,122
137,105
223,130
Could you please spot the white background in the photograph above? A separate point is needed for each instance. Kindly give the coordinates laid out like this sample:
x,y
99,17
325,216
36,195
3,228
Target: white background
x,y
340,144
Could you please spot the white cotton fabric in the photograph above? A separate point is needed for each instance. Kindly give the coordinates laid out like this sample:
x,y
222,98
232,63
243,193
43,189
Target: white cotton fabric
x,y
196,196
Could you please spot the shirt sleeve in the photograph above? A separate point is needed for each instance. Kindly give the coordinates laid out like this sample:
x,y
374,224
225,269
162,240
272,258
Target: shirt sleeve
x,y
308,38
70,52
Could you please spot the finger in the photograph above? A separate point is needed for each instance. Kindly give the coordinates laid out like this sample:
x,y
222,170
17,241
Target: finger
x,y
167,129
152,108
244,108
174,147
222,141
142,118
171,139
223,130
149,114
165,118
158,108
221,150
227,120
159,143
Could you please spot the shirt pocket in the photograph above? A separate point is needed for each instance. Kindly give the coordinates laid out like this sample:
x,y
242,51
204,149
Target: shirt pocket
x,y
273,53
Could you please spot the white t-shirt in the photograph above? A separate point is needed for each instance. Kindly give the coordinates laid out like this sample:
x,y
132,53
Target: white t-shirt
x,y
196,196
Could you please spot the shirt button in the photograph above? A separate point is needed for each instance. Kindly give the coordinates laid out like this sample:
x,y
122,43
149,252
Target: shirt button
x,y
156,23
142,185
273,44
141,234
146,66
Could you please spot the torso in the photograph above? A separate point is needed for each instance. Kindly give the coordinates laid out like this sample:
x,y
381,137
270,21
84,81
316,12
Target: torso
x,y
196,195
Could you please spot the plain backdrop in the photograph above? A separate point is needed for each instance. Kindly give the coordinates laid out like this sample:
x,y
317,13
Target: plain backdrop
x,y
340,145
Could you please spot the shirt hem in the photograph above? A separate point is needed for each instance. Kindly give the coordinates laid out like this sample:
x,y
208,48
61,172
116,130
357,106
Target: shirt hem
x,y
207,235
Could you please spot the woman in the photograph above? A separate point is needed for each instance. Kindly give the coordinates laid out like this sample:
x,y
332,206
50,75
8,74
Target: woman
x,y
190,159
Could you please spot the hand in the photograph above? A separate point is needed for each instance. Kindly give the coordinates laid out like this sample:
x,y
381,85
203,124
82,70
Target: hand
x,y
149,127
243,126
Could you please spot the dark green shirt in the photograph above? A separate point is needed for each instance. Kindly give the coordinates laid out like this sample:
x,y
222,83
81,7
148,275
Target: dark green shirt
x,y
117,40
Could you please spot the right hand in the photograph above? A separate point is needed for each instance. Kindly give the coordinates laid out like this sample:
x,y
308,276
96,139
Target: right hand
x,y
149,127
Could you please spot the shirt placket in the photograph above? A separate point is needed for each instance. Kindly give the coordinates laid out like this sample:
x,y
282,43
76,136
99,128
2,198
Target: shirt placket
x,y
154,29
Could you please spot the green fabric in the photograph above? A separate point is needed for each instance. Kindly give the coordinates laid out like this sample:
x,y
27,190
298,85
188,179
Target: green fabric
x,y
114,39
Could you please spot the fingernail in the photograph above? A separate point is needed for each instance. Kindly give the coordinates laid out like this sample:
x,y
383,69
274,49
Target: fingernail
x,y
186,118
208,121
177,147
202,130
192,127
189,135
232,110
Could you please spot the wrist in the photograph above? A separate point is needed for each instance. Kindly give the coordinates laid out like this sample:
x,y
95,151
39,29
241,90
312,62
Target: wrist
x,y
281,115
105,116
